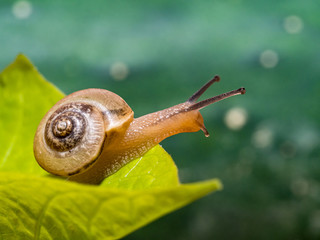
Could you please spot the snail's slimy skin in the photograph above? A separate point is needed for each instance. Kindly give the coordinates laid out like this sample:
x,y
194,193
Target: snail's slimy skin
x,y
142,134
91,134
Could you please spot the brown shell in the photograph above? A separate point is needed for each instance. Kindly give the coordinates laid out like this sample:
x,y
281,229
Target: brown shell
x,y
70,137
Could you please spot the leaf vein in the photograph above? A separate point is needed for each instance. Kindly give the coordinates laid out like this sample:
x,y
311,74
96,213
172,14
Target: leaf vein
x,y
42,214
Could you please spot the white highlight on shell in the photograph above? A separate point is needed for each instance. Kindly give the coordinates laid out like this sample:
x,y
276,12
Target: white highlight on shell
x,y
119,71
293,24
22,9
236,118
269,58
262,138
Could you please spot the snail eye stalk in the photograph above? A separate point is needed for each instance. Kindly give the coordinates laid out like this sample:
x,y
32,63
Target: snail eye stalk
x,y
198,105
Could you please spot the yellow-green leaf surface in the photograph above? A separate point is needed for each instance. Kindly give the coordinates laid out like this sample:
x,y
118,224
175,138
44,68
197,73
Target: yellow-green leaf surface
x,y
25,96
155,169
34,205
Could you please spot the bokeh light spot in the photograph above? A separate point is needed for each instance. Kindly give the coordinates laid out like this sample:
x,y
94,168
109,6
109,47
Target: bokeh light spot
x,y
262,138
22,9
307,138
119,71
293,24
300,187
269,59
236,118
315,223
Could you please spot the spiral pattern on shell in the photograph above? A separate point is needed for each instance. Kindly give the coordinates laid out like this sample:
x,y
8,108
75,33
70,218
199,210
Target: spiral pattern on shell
x,y
72,135
71,139
66,127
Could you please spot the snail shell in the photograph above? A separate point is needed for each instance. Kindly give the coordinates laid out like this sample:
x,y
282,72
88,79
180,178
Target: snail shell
x,y
71,135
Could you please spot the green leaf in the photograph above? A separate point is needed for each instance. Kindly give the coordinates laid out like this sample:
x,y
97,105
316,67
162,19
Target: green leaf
x,y
25,97
155,169
44,208
35,206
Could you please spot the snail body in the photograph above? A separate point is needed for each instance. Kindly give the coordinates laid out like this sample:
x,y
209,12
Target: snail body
x,y
90,134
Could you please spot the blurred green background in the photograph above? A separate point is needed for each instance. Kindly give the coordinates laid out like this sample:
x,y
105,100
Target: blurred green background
x,y
264,145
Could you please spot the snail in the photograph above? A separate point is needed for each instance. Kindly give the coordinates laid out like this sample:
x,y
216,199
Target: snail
x,y
90,134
